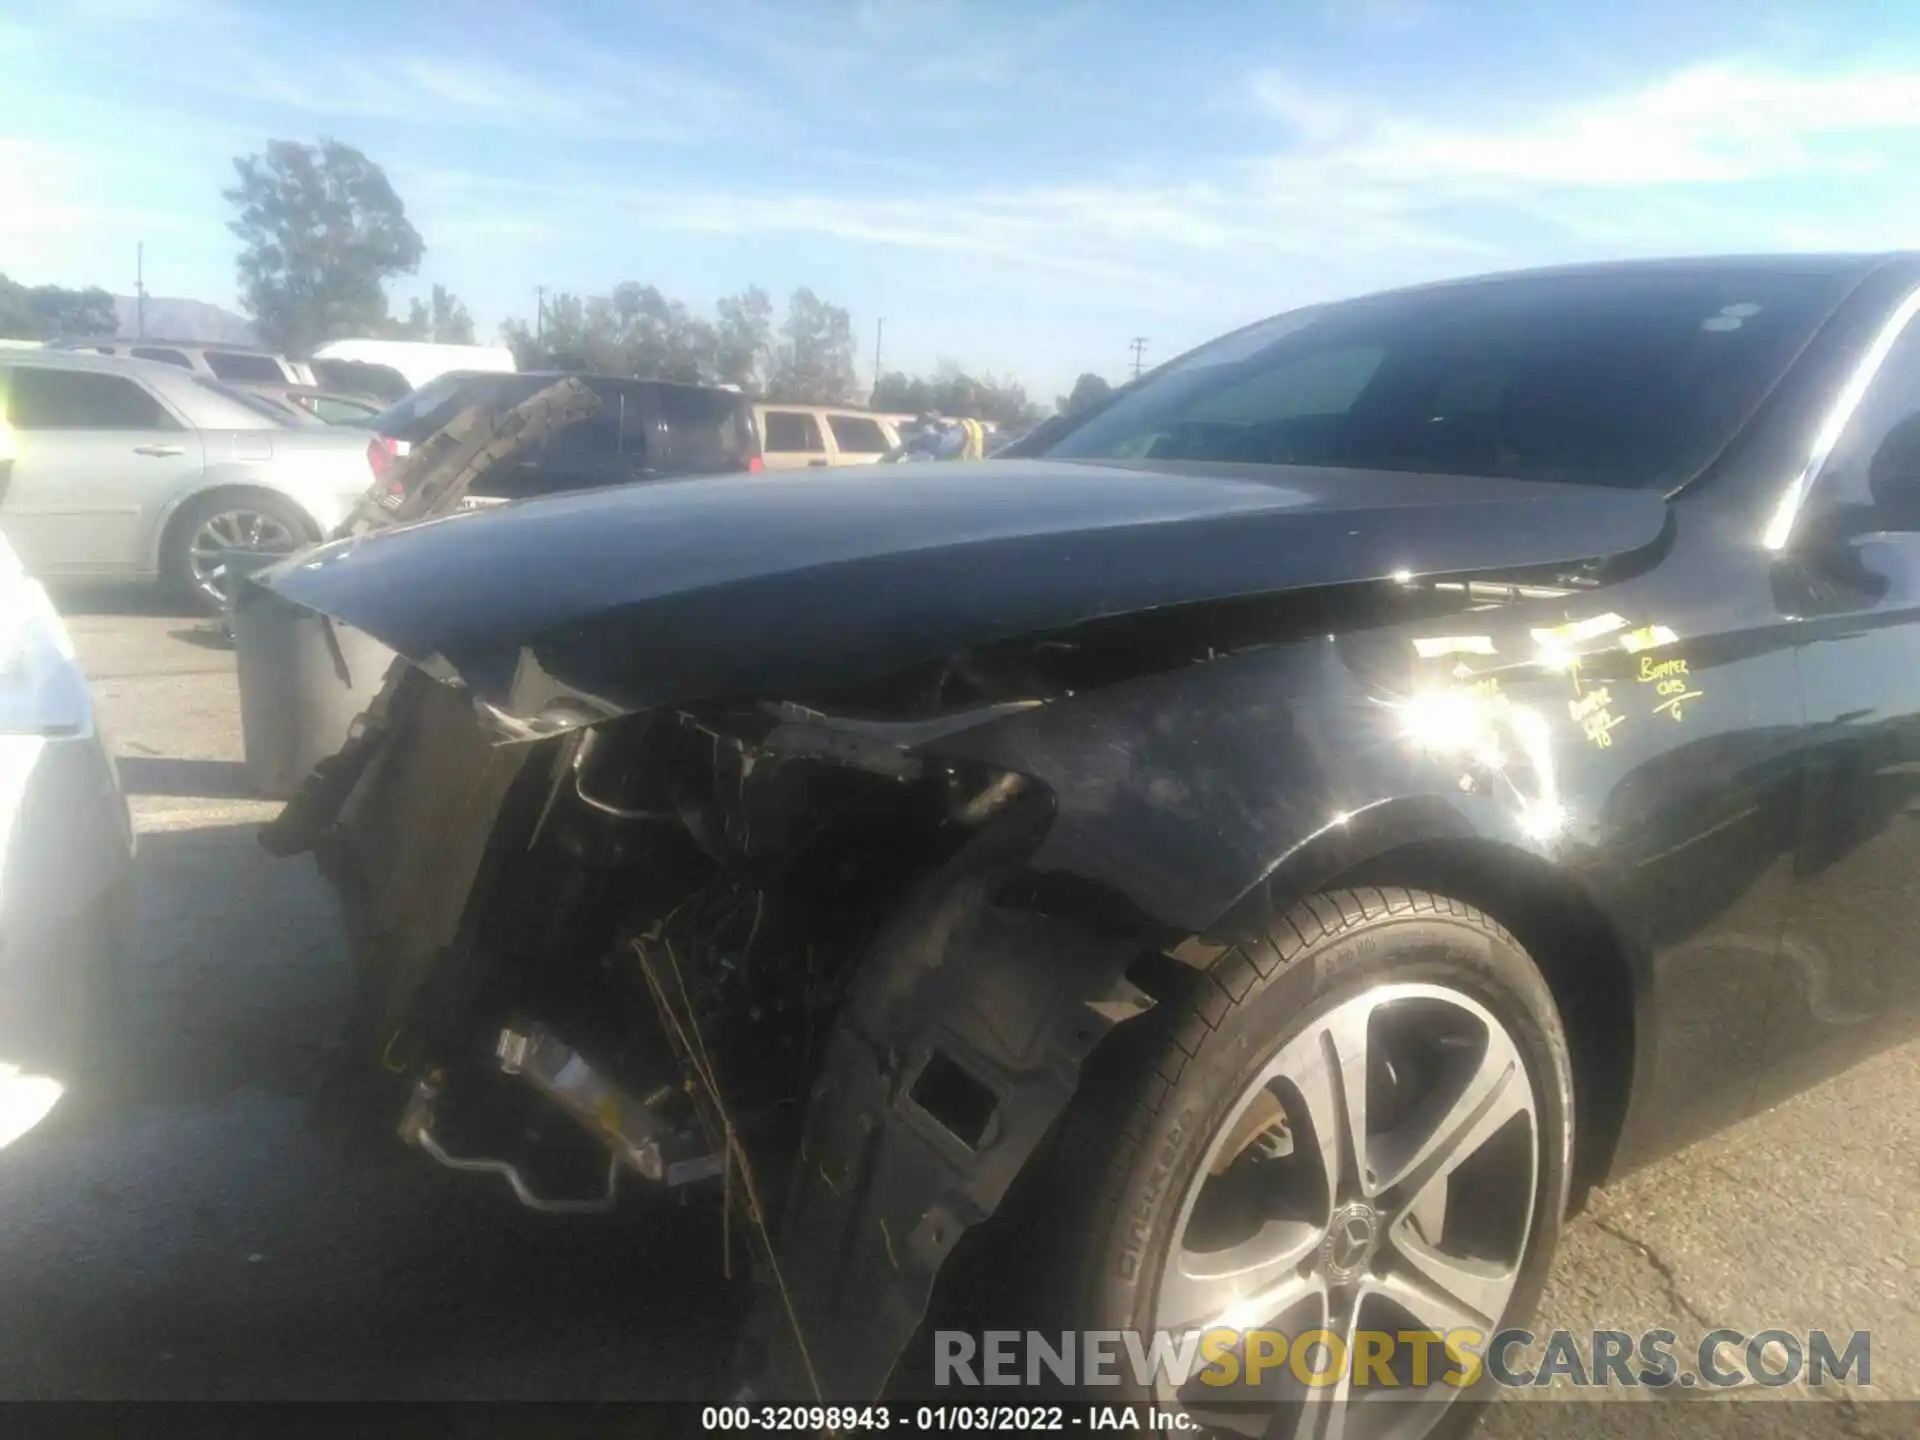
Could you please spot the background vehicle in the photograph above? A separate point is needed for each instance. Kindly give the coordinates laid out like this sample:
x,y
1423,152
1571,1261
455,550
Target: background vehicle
x,y
646,430
390,368
66,866
1269,853
793,437
130,469
235,365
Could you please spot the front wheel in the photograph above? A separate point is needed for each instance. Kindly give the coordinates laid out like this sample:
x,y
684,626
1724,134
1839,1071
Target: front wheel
x,y
1359,1129
194,566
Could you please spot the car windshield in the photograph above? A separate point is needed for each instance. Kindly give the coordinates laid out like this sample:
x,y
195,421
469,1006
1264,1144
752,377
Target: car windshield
x,y
1630,378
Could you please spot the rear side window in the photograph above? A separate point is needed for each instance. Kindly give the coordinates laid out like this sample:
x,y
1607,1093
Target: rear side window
x,y
265,406
336,410
81,400
857,435
707,430
791,431
164,356
247,369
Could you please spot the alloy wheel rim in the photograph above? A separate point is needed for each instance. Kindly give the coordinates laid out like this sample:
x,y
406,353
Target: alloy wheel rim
x,y
237,529
1379,1173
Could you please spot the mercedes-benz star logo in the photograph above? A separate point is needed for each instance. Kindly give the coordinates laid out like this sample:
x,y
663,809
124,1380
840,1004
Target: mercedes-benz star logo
x,y
1351,1240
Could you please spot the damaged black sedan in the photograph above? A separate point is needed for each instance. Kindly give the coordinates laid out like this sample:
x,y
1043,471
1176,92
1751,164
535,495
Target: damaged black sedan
x,y
1250,860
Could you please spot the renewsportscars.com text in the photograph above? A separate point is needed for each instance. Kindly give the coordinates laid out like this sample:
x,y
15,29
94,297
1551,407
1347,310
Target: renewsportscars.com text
x,y
1403,1359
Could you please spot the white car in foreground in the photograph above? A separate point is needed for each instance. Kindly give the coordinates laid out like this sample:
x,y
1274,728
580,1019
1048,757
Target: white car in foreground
x,y
66,865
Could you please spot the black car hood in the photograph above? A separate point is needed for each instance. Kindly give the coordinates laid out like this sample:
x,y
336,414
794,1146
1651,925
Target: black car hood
x,y
668,592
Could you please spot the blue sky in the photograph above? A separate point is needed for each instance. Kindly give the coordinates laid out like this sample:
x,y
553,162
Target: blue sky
x,y
1020,188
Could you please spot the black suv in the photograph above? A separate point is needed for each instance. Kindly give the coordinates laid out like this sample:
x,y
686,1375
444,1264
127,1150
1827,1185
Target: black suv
x,y
645,430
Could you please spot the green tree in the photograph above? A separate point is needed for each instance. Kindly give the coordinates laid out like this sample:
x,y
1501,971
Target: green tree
x,y
635,330
657,337
953,392
448,321
322,231
528,353
442,319
814,361
1090,392
48,312
743,339
901,393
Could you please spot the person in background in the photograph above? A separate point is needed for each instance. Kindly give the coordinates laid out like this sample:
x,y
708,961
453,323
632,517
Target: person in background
x,y
973,444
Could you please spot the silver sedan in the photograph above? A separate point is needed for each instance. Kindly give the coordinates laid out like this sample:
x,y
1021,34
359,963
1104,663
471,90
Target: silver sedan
x,y
134,470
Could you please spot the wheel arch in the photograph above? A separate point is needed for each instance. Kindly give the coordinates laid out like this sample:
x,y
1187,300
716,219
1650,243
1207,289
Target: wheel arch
x,y
182,505
1587,963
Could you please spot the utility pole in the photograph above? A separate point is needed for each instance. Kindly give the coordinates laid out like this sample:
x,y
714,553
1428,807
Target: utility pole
x,y
1139,348
879,329
140,290
539,314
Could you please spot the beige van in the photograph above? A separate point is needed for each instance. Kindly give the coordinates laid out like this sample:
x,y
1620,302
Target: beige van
x,y
793,437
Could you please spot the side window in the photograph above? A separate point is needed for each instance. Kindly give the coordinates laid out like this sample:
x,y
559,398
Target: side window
x,y
232,365
790,431
163,355
338,411
1875,465
707,430
597,438
83,400
857,435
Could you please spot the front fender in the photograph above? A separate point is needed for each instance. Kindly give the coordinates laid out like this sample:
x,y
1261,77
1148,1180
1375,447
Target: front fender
x,y
1190,793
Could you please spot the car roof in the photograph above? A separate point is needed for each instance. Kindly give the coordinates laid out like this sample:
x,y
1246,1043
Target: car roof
x,y
604,375
203,347
51,359
1839,265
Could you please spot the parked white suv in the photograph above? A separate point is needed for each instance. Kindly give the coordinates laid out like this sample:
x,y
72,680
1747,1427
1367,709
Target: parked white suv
x,y
794,437
136,470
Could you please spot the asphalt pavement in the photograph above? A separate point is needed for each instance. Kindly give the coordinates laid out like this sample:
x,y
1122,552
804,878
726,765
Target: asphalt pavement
x,y
197,1243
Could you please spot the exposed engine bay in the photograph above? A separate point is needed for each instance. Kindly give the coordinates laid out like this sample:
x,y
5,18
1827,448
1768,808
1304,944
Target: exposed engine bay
x,y
625,957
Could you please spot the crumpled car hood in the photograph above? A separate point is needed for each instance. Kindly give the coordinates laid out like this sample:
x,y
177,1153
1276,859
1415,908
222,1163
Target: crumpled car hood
x,y
668,592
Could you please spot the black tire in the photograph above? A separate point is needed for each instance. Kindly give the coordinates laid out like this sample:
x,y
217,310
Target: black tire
x,y
177,577
1097,1214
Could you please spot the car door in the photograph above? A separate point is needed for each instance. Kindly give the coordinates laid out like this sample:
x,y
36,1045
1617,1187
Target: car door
x,y
94,451
859,439
1850,975
792,439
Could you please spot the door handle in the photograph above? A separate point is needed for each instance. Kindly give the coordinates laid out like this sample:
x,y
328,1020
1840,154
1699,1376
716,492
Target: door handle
x,y
158,450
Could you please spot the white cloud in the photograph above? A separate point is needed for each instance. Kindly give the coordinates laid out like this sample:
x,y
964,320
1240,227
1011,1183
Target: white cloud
x,y
1704,126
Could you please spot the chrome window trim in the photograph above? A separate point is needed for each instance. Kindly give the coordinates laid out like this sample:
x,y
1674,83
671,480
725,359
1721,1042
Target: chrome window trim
x,y
1780,528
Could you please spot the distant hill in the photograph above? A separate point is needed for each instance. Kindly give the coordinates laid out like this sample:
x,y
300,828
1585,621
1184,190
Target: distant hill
x,y
185,320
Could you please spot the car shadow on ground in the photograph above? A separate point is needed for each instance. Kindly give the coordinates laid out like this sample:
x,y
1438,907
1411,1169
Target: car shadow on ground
x,y
196,779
